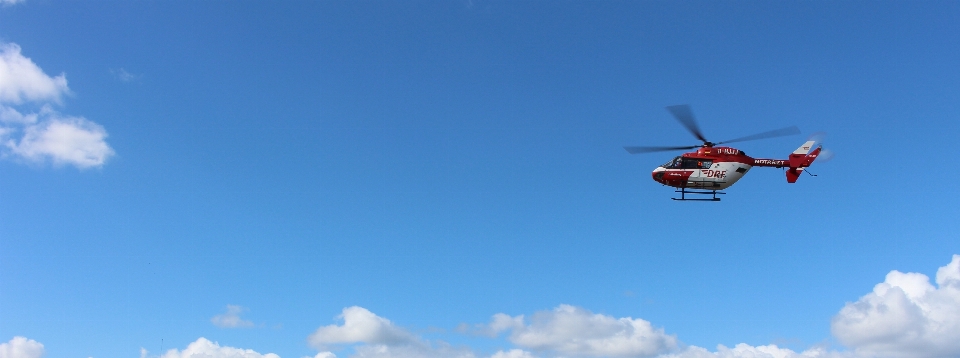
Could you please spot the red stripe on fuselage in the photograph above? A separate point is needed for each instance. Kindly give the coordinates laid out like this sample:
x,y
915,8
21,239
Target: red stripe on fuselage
x,y
677,178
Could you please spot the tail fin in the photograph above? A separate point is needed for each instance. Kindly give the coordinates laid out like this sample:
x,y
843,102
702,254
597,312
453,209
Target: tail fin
x,y
801,158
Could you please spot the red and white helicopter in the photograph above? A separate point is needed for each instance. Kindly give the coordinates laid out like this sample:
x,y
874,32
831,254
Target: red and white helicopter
x,y
712,168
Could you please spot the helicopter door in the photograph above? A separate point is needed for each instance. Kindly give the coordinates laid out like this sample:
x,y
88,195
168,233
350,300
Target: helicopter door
x,y
693,165
698,178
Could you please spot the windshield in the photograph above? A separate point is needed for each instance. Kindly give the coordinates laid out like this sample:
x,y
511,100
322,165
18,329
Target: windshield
x,y
674,163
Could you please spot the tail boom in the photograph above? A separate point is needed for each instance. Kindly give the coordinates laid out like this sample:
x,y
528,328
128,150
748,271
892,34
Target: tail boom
x,y
799,159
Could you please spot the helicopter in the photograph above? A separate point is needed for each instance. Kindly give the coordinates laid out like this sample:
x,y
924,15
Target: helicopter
x,y
712,167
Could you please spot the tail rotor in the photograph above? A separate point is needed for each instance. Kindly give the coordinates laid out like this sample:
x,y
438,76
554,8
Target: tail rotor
x,y
826,154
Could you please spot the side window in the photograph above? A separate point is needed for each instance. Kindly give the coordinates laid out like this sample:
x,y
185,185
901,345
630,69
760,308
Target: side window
x,y
695,163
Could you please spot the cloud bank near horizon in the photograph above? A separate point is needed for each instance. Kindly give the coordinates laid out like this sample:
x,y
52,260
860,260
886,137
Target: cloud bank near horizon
x,y
904,316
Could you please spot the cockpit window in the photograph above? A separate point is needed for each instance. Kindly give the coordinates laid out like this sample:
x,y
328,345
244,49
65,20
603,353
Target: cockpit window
x,y
675,163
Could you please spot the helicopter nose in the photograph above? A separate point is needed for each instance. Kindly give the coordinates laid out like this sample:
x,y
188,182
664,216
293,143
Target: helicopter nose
x,y
658,175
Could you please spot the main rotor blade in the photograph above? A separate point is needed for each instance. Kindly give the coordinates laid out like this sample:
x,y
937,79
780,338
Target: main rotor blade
x,y
771,134
685,116
639,150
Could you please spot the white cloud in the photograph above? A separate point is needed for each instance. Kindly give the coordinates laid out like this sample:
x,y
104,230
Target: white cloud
x,y
231,318
905,316
44,136
411,351
21,79
513,353
361,326
204,348
21,347
575,331
10,2
123,75
499,323
563,331
503,322
743,350
10,115
377,337
61,140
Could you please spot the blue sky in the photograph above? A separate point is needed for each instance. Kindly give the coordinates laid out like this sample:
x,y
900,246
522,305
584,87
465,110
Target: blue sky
x,y
251,171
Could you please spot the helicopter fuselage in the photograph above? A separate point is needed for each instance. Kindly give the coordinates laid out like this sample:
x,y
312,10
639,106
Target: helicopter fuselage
x,y
710,168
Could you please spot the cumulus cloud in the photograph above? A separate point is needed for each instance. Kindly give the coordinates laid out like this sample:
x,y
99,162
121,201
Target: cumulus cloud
x,y
46,135
21,79
377,337
905,316
21,347
60,140
231,318
575,331
203,347
565,331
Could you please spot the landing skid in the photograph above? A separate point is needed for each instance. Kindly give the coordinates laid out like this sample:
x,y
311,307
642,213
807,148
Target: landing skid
x,y
683,195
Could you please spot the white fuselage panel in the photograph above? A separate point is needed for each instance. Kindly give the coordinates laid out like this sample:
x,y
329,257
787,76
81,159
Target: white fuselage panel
x,y
718,177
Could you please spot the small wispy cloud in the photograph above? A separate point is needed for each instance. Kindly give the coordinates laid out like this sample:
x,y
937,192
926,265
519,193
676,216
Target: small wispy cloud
x,y
10,2
231,318
122,75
